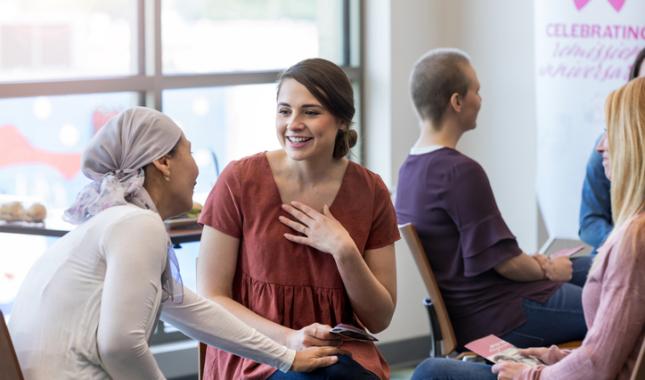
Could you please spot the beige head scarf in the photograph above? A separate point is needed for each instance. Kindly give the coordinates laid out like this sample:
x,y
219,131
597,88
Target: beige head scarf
x,y
114,160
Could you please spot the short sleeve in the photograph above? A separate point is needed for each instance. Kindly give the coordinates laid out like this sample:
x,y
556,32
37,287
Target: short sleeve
x,y
484,237
384,230
222,210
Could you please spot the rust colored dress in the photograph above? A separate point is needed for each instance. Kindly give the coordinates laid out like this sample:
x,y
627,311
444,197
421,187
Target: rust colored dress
x,y
292,284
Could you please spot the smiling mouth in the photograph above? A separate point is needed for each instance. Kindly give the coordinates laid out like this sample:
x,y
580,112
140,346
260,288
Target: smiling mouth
x,y
298,139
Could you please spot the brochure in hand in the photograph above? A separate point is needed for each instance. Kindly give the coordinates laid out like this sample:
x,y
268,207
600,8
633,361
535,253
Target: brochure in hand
x,y
349,332
495,349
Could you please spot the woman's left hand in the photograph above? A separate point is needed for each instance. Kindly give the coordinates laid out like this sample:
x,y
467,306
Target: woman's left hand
x,y
320,231
507,370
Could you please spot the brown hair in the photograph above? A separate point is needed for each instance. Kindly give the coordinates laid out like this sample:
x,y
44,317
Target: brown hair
x,y
329,84
435,78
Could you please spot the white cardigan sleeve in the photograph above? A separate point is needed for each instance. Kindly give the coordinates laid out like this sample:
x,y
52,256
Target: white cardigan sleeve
x,y
207,321
135,257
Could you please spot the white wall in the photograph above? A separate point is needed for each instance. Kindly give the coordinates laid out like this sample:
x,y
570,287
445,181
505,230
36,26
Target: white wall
x,y
498,34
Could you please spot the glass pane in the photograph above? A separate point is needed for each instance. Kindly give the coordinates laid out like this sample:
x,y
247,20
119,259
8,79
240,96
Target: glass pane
x,y
187,254
18,254
223,124
356,152
54,39
41,140
242,35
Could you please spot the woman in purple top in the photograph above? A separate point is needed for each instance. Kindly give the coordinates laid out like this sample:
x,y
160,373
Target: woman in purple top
x,y
489,285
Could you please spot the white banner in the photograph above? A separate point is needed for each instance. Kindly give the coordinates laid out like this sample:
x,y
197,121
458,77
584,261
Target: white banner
x,y
584,50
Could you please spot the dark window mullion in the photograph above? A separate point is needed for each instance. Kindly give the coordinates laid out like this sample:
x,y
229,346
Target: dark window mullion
x,y
346,39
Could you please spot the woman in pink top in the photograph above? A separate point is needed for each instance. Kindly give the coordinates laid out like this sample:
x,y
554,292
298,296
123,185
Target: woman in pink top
x,y
300,239
614,295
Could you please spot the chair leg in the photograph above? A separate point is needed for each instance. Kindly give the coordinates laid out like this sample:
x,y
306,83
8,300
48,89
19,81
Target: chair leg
x,y
435,331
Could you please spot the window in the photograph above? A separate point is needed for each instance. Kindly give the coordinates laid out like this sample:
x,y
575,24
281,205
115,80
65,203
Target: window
x,y
67,66
223,123
54,39
41,140
206,36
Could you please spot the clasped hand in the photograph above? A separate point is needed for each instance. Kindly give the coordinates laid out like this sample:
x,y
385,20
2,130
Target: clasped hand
x,y
313,335
557,269
316,347
320,231
507,370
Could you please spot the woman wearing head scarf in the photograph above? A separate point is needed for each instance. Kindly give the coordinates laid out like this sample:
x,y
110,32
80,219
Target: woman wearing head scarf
x,y
89,305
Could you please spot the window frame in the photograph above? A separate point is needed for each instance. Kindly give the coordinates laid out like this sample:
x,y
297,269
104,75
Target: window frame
x,y
150,81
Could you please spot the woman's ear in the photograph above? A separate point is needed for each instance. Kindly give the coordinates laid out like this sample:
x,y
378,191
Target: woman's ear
x,y
342,125
163,166
455,102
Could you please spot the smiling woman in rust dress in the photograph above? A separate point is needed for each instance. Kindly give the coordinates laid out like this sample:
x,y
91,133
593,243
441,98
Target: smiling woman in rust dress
x,y
300,239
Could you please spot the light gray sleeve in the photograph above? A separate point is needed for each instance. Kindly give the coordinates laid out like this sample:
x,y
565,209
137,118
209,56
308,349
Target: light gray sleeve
x,y
135,254
208,322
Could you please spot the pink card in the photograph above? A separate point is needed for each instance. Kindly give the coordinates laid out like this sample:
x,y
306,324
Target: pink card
x,y
495,349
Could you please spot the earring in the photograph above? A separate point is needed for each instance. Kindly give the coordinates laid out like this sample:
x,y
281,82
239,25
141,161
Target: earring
x,y
167,178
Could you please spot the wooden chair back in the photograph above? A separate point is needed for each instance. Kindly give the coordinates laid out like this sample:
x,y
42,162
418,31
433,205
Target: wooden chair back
x,y
447,333
201,347
9,366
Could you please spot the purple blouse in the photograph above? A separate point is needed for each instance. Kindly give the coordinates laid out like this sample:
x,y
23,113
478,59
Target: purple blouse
x,y
448,199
